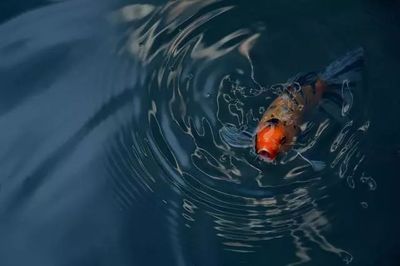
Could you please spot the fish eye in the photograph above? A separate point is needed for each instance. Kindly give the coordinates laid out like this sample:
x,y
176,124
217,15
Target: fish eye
x,y
283,140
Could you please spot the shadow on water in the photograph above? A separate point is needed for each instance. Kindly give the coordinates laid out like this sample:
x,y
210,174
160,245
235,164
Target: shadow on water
x,y
122,134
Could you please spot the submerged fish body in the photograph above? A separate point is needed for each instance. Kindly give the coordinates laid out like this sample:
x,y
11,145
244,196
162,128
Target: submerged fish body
x,y
280,124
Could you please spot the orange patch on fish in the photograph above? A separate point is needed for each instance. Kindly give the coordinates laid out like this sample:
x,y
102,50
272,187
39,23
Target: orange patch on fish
x,y
269,141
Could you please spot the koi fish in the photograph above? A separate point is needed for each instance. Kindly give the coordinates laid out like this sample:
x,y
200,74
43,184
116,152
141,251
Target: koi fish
x,y
281,123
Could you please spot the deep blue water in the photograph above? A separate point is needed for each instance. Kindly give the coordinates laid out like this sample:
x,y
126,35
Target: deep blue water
x,y
112,121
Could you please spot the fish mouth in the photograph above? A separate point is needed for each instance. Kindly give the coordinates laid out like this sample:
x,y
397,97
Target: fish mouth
x,y
266,155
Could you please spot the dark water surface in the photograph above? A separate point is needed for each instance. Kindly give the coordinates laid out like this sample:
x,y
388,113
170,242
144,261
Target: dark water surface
x,y
113,144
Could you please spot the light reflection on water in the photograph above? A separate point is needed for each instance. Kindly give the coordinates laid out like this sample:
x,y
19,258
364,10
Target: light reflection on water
x,y
162,92
196,86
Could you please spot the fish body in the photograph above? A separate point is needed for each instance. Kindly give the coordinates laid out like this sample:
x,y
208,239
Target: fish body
x,y
280,124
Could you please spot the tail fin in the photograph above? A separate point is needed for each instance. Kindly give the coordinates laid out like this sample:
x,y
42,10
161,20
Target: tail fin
x,y
340,76
347,67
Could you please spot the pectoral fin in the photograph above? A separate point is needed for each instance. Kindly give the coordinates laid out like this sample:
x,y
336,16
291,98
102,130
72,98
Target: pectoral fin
x,y
235,137
316,165
334,111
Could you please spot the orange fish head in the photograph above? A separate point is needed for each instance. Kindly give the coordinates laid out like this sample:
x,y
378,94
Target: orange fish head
x,y
269,141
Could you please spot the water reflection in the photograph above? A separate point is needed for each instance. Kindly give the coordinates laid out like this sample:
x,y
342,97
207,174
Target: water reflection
x,y
199,93
161,102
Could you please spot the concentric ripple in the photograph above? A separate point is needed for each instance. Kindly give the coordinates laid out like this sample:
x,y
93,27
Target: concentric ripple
x,y
196,102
